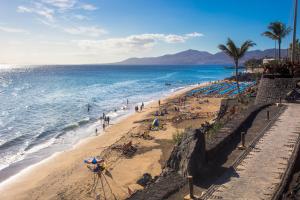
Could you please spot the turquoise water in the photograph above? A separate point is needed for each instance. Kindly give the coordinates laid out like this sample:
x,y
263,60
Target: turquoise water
x,y
45,109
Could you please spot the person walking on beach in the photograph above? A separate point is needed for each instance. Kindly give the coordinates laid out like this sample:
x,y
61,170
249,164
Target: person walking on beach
x,y
96,131
103,126
143,105
141,108
158,102
108,120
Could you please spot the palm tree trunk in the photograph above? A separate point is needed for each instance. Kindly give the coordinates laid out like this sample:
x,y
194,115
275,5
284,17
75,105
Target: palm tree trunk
x,y
279,49
237,78
275,51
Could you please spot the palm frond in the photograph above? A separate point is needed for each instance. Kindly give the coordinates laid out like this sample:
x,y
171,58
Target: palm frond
x,y
245,46
286,31
271,35
277,30
235,52
233,48
276,27
224,48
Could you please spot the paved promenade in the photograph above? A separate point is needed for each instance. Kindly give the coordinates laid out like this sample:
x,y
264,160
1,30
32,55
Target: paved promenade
x,y
258,175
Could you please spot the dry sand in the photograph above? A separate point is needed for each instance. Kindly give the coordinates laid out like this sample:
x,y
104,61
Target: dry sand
x,y
65,176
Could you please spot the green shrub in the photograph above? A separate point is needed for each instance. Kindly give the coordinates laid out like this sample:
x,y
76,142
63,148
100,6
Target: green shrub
x,y
215,128
177,136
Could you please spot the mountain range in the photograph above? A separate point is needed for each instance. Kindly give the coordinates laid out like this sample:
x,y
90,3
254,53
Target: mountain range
x,y
195,57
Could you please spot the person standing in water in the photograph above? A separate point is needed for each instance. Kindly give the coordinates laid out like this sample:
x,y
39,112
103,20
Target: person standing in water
x,y
103,126
88,107
108,120
96,131
127,101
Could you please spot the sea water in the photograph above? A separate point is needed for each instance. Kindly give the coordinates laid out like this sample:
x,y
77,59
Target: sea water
x,y
44,109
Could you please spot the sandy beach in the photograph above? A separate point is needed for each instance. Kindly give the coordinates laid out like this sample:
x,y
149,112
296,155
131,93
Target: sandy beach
x,y
65,175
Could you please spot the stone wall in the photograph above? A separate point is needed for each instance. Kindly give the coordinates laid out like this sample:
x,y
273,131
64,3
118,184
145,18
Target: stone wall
x,y
271,89
231,131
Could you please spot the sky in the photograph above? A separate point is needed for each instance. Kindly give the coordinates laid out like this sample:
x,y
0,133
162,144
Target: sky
x,y
105,31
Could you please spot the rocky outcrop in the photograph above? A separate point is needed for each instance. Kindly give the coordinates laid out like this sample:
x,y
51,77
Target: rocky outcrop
x,y
165,185
188,157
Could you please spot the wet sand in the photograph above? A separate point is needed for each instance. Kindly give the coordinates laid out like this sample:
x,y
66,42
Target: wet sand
x,y
65,176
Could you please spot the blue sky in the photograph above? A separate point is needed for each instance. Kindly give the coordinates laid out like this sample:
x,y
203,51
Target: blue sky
x,y
100,31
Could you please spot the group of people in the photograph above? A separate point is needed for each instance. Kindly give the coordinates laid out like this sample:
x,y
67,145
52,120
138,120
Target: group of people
x,y
137,109
105,120
161,112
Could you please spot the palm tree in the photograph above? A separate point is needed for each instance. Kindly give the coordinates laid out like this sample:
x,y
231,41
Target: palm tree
x,y
277,31
236,53
297,50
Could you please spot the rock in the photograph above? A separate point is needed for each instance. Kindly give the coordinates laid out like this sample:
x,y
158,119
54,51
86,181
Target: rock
x,y
188,157
146,178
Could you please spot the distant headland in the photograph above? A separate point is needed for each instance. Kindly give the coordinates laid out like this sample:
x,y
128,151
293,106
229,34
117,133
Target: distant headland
x,y
195,57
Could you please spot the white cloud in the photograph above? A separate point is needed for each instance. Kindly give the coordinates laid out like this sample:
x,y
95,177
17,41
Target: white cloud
x,y
53,43
194,34
47,23
132,43
80,17
50,8
174,39
69,4
89,7
38,9
92,31
23,9
61,4
12,30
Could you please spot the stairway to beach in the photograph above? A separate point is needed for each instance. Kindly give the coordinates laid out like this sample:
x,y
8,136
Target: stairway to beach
x,y
261,172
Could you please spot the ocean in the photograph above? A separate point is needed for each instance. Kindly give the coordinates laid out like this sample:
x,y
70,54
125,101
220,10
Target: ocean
x,y
44,109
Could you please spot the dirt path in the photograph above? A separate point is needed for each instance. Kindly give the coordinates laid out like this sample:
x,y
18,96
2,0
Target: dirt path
x,y
262,170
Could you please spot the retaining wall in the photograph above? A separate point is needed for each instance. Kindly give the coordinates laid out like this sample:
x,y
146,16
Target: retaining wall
x,y
271,89
231,130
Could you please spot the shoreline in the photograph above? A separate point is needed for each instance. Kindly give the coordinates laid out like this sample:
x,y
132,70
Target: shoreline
x,y
24,175
86,131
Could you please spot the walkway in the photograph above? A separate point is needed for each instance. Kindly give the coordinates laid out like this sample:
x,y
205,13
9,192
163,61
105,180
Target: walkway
x,y
259,174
